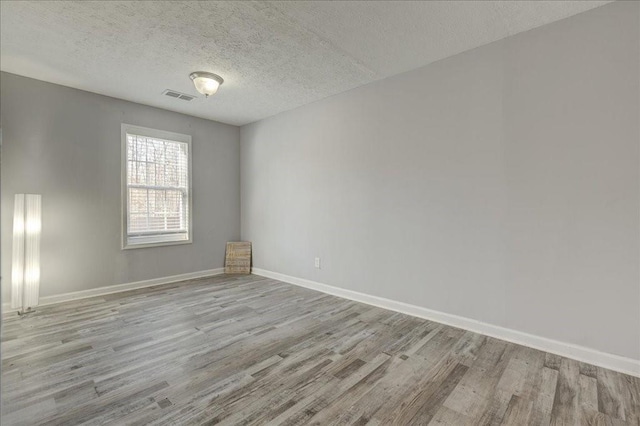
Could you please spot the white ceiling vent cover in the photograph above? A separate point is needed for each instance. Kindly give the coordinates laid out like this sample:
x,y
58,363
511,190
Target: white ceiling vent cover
x,y
178,95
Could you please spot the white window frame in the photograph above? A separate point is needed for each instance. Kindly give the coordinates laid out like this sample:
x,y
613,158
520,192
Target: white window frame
x,y
158,240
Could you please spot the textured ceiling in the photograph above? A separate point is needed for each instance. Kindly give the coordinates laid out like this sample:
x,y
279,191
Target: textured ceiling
x,y
274,56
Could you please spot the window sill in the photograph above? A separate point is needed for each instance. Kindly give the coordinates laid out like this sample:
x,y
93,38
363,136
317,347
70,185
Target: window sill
x,y
131,246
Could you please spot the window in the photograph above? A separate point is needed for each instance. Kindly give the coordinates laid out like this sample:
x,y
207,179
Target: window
x,y
156,192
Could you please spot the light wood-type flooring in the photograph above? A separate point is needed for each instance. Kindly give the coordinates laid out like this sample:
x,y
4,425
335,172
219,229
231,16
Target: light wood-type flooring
x,y
250,350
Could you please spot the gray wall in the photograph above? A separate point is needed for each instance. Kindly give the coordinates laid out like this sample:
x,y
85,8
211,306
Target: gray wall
x,y
65,144
501,184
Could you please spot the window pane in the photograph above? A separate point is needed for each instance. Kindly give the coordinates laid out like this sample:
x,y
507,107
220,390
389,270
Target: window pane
x,y
130,147
151,174
138,201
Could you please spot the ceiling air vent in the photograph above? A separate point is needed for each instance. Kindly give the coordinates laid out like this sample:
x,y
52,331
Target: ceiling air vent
x,y
178,95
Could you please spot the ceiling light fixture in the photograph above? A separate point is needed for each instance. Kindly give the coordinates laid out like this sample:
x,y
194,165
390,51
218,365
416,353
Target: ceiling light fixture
x,y
206,83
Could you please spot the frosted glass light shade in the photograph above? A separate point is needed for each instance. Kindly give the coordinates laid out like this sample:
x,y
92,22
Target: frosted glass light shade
x,y
206,83
25,266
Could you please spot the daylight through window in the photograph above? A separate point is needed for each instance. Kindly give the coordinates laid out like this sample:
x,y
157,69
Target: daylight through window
x,y
157,190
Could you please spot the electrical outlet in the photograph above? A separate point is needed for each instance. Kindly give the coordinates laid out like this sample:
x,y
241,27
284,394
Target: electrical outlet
x,y
318,262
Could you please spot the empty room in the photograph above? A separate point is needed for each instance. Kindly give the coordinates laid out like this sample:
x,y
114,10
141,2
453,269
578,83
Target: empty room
x,y
320,212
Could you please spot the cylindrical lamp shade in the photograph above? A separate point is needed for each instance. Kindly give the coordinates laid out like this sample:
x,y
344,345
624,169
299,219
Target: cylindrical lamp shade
x,y
25,267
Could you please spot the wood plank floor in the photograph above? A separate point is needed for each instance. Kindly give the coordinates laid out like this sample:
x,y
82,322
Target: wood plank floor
x,y
250,350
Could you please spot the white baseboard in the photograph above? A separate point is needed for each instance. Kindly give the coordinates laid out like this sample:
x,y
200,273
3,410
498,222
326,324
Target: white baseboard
x,y
100,291
580,353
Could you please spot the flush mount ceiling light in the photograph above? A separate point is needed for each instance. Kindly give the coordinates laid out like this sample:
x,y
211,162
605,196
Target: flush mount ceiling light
x,y
206,83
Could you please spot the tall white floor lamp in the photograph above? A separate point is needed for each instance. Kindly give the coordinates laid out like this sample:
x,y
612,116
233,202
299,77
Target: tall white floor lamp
x,y
25,267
